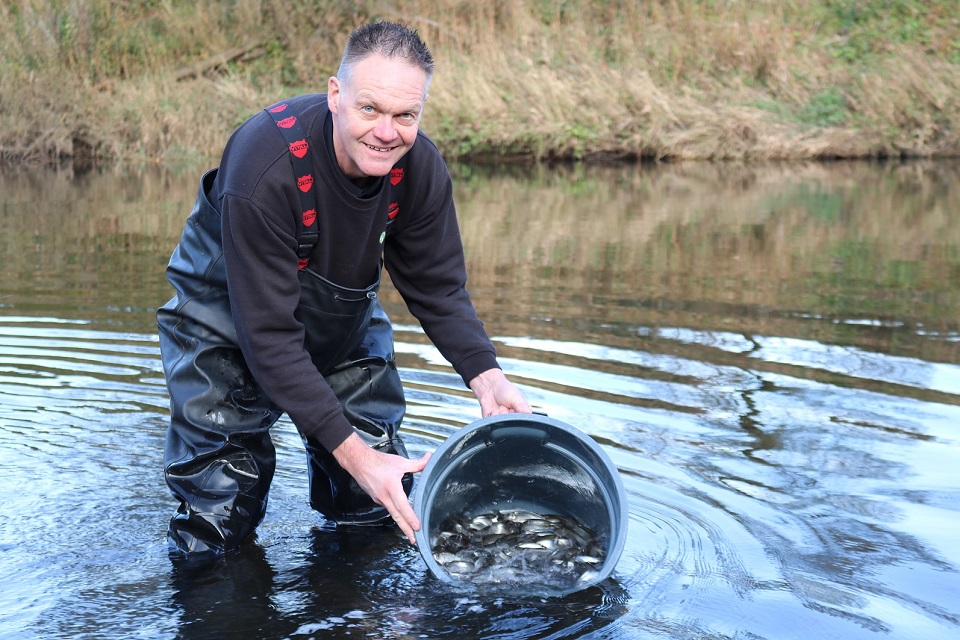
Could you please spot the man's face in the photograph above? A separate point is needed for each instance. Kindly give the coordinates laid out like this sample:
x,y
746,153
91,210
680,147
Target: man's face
x,y
376,114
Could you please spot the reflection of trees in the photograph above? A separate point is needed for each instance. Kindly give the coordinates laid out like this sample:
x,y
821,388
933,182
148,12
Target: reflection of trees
x,y
147,203
773,250
591,256
94,241
572,250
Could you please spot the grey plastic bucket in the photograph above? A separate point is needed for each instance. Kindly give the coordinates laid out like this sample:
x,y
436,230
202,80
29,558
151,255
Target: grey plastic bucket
x,y
523,461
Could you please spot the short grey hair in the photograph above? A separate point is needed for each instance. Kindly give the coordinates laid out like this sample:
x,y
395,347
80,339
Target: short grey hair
x,y
389,39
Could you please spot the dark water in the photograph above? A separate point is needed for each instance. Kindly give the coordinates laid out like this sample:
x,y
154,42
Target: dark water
x,y
768,354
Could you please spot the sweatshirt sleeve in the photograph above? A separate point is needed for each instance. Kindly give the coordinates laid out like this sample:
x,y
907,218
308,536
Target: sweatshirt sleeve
x,y
424,258
264,290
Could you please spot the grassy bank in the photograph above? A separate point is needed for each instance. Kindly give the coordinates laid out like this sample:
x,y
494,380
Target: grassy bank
x,y
670,79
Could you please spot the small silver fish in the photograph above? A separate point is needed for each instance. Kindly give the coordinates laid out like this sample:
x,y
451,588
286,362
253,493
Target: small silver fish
x,y
520,515
533,544
502,528
480,522
513,545
445,558
461,567
587,576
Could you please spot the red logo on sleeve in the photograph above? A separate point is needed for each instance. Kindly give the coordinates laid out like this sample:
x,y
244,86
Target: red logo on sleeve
x,y
299,148
305,182
287,122
279,108
396,175
309,216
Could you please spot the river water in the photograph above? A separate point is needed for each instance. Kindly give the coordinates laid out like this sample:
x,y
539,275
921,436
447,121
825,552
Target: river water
x,y
768,354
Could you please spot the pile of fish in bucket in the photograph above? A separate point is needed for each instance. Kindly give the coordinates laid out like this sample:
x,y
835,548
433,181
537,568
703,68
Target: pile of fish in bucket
x,y
513,545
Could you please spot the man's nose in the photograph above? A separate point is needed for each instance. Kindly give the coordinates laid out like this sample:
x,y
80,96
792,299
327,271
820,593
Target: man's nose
x,y
385,129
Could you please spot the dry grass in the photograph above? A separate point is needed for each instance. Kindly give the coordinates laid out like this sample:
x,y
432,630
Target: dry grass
x,y
678,79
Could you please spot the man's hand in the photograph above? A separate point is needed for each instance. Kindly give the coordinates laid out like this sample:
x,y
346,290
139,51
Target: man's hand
x,y
379,474
497,395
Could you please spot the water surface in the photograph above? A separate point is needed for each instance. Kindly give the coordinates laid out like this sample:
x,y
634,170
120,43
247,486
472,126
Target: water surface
x,y
769,355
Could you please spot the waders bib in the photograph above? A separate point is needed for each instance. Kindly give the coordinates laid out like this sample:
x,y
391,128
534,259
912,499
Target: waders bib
x,y
219,459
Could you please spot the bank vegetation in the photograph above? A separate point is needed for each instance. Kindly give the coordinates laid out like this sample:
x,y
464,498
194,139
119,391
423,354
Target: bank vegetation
x,y
165,80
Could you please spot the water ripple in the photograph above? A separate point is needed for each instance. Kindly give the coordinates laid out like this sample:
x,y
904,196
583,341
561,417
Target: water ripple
x,y
751,489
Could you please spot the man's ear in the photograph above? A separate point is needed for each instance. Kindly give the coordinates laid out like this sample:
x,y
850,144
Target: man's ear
x,y
333,94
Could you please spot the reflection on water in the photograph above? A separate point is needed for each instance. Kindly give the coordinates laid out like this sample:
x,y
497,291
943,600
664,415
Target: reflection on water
x,y
768,354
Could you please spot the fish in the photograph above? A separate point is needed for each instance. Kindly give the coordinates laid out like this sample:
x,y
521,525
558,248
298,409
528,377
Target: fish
x,y
460,566
445,558
588,576
510,546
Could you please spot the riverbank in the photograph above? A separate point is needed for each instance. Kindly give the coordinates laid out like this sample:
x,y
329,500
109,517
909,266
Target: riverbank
x,y
583,80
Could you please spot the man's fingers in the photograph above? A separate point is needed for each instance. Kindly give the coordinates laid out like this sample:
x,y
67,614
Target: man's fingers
x,y
403,514
405,527
401,510
422,462
408,530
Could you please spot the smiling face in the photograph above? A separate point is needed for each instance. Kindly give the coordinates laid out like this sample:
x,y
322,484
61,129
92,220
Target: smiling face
x,y
376,114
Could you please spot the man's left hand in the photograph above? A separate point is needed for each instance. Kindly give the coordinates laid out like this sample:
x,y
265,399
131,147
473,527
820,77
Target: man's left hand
x,y
497,395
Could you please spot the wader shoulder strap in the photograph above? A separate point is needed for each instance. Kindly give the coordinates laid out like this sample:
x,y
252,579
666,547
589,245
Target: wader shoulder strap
x,y
296,139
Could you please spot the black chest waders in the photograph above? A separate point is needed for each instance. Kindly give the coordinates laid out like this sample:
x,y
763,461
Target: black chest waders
x,y
219,459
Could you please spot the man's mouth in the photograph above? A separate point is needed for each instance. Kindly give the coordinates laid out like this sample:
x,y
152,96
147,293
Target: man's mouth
x,y
381,149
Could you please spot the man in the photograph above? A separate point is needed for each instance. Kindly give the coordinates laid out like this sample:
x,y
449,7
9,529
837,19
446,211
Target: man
x,y
276,310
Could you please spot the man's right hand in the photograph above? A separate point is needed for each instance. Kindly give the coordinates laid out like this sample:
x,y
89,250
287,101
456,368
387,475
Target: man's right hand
x,y
380,475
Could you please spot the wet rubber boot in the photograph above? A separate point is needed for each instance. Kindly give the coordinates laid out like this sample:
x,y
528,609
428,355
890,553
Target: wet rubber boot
x,y
219,459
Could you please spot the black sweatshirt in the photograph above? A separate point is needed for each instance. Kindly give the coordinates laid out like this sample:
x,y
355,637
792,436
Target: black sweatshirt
x,y
256,193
